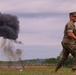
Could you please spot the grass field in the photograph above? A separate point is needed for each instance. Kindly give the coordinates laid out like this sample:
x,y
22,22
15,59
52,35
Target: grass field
x,y
37,71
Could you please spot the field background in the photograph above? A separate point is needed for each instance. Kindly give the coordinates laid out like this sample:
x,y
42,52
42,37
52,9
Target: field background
x,y
36,70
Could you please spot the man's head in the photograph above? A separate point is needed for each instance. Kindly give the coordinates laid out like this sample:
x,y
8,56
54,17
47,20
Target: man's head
x,y
72,16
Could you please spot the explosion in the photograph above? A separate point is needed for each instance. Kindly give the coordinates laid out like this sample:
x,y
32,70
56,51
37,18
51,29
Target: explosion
x,y
9,29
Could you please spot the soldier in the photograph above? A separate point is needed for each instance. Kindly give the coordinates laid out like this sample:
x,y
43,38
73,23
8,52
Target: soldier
x,y
69,42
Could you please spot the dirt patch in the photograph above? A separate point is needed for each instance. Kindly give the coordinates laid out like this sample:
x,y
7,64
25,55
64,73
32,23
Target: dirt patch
x,y
5,67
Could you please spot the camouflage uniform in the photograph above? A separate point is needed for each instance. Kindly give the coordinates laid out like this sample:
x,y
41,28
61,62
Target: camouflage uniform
x,y
69,45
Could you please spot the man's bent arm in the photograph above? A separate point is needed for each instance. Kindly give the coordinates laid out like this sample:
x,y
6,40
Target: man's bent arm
x,y
70,34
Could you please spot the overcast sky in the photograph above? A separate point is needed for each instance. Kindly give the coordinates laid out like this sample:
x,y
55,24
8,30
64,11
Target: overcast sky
x,y
42,24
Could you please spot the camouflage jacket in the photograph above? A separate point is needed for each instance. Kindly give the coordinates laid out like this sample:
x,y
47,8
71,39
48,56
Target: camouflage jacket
x,y
70,27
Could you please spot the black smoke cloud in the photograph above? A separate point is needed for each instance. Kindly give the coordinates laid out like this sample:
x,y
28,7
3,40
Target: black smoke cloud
x,y
9,26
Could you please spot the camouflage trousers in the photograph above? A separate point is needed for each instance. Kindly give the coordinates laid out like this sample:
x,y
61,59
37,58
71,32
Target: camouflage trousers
x,y
68,48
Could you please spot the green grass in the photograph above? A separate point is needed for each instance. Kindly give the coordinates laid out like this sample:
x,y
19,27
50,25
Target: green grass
x,y
37,71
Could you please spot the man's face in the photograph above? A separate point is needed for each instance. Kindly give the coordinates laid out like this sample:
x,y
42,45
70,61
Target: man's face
x,y
73,18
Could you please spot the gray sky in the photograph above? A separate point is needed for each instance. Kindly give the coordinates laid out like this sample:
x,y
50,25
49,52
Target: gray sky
x,y
41,24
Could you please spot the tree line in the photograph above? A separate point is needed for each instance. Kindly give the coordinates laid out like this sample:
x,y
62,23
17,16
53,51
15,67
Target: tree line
x,y
47,61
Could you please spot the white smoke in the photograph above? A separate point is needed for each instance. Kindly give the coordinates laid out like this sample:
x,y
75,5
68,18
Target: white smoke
x,y
8,47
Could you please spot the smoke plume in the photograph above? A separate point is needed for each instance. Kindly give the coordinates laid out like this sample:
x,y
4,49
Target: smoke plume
x,y
9,29
9,26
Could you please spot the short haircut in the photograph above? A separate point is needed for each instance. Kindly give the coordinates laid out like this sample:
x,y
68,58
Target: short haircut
x,y
72,14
